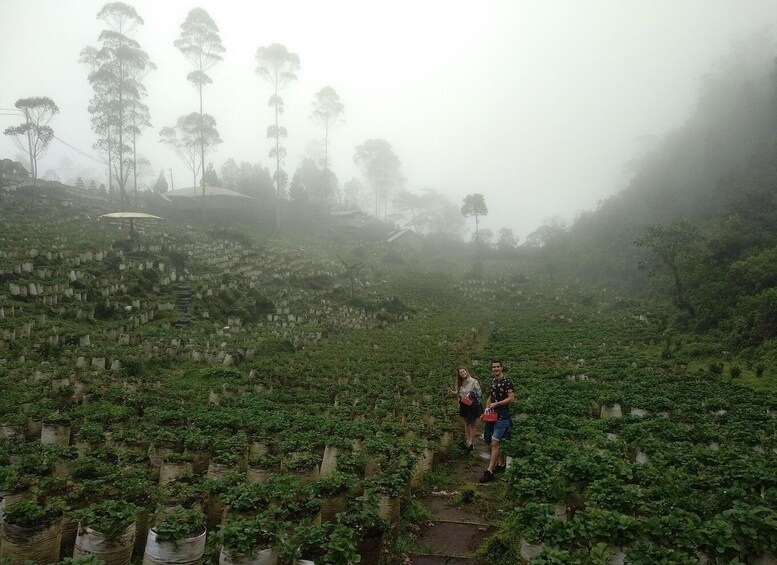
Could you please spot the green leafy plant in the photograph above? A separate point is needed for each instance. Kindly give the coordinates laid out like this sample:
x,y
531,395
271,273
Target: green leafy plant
x,y
341,549
334,484
29,513
308,541
243,537
363,516
178,523
110,517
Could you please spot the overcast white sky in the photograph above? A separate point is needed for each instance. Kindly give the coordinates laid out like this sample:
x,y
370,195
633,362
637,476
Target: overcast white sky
x,y
537,104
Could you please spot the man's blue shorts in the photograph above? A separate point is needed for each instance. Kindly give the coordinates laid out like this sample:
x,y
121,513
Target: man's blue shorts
x,y
498,430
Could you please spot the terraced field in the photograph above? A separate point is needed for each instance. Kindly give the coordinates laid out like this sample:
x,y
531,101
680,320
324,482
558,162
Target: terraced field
x,y
195,389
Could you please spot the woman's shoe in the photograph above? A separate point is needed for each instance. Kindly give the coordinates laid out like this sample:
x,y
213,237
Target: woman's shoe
x,y
470,447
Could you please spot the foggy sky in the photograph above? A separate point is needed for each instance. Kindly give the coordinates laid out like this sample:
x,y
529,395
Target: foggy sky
x,y
539,105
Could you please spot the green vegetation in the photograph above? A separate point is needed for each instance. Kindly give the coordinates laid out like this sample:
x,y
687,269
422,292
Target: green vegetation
x,y
645,409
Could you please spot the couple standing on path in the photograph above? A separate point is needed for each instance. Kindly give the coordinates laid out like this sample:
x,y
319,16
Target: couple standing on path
x,y
501,395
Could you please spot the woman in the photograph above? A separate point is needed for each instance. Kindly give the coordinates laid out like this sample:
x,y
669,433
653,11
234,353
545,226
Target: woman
x,y
470,409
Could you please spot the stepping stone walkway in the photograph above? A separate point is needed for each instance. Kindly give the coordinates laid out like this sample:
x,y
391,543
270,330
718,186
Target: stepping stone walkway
x,y
456,531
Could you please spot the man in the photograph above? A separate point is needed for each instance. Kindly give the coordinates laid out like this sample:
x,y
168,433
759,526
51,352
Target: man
x,y
500,397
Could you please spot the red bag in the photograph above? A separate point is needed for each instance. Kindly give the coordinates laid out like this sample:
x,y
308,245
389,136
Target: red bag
x,y
465,400
489,416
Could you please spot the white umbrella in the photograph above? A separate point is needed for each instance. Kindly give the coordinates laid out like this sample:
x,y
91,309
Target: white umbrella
x,y
131,216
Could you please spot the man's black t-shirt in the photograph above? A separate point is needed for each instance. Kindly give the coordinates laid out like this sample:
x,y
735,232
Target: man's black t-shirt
x,y
500,389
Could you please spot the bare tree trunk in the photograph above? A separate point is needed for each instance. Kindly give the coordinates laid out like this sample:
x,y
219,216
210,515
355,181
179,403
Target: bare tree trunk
x,y
680,291
202,145
33,161
134,161
110,164
277,164
477,247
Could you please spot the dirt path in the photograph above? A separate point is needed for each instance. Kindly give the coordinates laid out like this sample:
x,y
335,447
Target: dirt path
x,y
459,523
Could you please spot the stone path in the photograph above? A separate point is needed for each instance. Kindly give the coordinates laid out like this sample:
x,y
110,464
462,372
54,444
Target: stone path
x,y
458,528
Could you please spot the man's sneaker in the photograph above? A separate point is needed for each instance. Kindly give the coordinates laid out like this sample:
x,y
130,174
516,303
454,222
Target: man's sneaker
x,y
500,469
487,477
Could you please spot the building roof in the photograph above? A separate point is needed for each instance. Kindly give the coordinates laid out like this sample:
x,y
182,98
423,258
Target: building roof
x,y
401,233
130,215
210,192
345,212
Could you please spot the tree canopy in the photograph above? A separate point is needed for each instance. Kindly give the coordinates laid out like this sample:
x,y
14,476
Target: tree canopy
x,y
38,112
380,166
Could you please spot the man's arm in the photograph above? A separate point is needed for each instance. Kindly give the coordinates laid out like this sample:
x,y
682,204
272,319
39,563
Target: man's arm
x,y
505,402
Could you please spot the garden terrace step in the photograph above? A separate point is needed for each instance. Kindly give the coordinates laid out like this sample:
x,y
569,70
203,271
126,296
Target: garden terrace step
x,y
443,560
451,539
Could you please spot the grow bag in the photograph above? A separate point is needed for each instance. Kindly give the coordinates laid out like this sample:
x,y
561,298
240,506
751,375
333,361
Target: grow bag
x,y
263,557
114,552
188,551
39,544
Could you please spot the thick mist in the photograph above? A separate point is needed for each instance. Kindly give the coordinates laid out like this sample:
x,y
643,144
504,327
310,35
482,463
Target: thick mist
x,y
538,106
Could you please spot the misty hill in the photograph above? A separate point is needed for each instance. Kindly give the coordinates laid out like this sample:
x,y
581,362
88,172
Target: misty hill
x,y
718,171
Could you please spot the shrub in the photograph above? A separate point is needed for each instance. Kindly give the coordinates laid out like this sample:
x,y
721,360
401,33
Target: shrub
x,y
735,371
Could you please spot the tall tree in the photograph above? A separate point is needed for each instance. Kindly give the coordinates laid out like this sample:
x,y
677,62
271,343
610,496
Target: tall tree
x,y
675,244
353,191
475,205
311,184
429,212
380,166
116,68
191,134
278,66
327,112
160,186
507,239
249,178
38,112
140,119
201,45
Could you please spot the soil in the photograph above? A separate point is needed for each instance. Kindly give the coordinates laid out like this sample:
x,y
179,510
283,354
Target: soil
x,y
457,529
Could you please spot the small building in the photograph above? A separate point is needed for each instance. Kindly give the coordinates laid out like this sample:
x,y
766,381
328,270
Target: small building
x,y
405,238
347,218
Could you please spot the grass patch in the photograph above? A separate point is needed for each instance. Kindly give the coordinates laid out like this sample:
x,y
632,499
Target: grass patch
x,y
468,494
499,550
415,513
439,478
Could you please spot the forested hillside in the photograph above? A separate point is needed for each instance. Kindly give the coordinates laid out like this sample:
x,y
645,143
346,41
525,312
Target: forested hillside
x,y
703,201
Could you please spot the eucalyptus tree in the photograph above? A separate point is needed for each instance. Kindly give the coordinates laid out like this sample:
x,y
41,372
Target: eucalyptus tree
x,y
278,66
140,119
380,166
35,131
192,134
200,43
327,112
116,68
475,205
